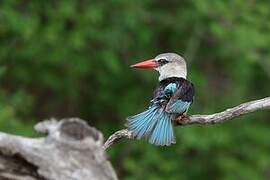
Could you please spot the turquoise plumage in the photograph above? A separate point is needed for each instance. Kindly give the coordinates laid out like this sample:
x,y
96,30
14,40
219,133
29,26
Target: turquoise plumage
x,y
177,106
153,124
156,123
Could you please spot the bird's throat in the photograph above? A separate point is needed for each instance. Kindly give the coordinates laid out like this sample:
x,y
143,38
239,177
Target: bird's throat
x,y
172,71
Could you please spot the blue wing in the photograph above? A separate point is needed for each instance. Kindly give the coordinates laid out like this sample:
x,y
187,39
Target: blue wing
x,y
177,106
180,98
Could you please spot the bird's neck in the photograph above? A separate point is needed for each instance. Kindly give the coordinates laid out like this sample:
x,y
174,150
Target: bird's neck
x,y
172,71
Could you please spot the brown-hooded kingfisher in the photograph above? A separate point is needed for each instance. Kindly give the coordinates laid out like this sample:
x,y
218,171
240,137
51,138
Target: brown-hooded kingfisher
x,y
171,100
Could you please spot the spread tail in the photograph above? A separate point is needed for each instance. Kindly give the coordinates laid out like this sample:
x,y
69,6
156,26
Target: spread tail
x,y
154,125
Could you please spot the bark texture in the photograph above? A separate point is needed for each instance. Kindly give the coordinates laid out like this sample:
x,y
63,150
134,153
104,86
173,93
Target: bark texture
x,y
72,150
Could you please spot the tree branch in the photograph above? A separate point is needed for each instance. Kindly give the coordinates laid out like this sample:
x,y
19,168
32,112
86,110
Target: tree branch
x,y
216,118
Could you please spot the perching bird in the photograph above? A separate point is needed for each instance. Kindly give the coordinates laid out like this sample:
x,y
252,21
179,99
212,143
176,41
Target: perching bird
x,y
171,100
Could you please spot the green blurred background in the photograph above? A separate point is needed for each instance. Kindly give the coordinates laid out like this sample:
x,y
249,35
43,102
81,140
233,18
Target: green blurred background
x,y
71,59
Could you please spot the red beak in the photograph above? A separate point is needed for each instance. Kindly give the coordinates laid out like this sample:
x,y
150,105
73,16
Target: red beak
x,y
148,64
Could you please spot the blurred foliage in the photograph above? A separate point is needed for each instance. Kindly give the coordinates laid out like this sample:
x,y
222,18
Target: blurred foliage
x,y
71,58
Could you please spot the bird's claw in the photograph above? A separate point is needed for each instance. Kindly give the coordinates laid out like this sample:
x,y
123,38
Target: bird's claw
x,y
181,119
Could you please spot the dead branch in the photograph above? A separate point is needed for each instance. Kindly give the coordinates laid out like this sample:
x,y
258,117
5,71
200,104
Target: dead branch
x,y
216,118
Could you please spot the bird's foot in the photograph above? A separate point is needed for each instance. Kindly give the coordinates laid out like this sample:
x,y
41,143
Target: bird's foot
x,y
181,119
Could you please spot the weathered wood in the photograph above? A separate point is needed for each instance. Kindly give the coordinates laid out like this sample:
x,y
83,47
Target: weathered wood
x,y
72,150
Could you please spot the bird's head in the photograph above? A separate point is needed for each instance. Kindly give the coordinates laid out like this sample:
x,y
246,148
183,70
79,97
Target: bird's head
x,y
167,64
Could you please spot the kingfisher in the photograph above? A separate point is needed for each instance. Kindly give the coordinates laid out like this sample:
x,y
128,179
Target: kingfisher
x,y
170,101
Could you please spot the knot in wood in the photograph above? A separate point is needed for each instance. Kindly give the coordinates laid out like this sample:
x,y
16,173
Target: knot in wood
x,y
77,129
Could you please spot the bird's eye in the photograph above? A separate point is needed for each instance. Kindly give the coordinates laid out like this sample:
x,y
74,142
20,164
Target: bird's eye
x,y
163,61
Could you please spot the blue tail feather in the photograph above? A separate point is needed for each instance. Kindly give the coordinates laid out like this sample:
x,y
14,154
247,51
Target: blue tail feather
x,y
163,132
147,124
140,123
153,124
